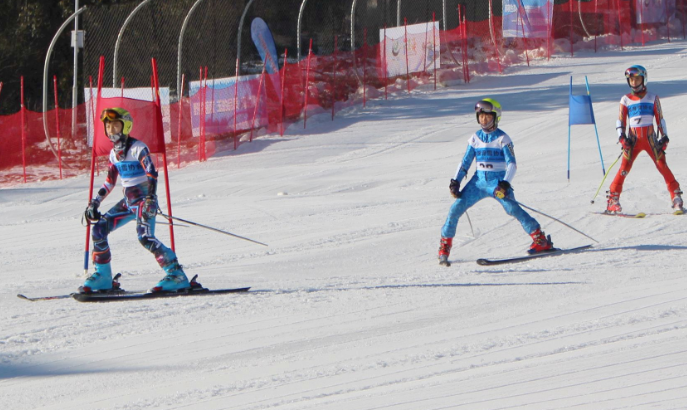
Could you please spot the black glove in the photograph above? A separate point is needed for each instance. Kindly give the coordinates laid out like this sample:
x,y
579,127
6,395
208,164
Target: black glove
x,y
92,213
502,189
454,186
662,143
149,207
627,143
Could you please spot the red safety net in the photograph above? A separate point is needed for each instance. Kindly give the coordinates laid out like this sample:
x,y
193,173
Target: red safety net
x,y
221,117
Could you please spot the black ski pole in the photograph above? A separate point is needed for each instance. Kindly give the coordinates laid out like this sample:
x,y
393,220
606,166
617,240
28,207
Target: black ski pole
x,y
210,228
551,217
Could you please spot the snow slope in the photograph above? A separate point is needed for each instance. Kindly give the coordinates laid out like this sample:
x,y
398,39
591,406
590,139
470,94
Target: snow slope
x,y
349,308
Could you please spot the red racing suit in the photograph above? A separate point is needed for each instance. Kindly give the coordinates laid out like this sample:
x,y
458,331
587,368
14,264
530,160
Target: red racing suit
x,y
640,111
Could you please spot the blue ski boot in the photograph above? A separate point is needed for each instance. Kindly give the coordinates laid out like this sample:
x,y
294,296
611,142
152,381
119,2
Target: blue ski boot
x,y
100,280
175,280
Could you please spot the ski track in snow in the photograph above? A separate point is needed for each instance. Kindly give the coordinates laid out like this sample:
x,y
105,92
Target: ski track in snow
x,y
348,307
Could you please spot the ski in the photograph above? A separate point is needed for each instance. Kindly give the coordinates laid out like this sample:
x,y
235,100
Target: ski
x,y
37,298
115,290
100,297
623,215
553,252
116,293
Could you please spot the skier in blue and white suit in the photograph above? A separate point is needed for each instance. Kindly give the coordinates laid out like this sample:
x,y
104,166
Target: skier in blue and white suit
x,y
129,159
492,150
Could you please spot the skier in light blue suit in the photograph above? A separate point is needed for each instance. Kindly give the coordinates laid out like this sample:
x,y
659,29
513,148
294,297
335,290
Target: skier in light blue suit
x,y
492,150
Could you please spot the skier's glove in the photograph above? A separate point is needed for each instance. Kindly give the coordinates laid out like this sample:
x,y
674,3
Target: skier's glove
x,y
502,190
627,143
150,207
454,186
662,143
92,213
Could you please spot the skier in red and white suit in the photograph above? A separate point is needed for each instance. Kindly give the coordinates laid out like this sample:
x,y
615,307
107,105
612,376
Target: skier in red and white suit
x,y
638,110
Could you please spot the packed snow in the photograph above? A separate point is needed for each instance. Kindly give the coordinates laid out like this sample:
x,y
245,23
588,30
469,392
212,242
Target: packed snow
x,y
348,307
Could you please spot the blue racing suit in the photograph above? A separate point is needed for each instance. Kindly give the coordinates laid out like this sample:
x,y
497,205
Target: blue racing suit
x,y
495,160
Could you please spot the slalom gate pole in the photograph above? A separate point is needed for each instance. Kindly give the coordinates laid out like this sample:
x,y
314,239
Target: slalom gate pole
x,y
551,217
605,175
168,217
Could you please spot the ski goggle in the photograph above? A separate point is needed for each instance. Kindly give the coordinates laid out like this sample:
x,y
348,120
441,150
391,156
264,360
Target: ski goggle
x,y
484,106
110,115
633,72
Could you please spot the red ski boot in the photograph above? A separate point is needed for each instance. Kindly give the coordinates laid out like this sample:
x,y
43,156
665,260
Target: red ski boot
x,y
445,250
540,242
678,205
613,205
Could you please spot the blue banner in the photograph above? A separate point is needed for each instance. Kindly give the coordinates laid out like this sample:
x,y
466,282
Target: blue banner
x,y
262,38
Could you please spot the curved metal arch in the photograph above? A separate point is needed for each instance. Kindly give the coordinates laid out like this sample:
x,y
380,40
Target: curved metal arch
x,y
181,44
119,39
238,38
353,24
45,76
298,30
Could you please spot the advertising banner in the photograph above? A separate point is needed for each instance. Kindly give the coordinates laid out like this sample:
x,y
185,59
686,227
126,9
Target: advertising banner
x,y
527,18
219,104
423,48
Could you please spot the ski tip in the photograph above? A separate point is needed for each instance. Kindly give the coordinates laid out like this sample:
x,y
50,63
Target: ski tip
x,y
640,215
20,296
679,212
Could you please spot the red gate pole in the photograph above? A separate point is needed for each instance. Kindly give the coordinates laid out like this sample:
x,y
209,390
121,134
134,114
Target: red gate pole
x,y
386,69
283,82
334,72
641,25
493,36
236,102
181,104
434,48
101,71
463,33
549,32
257,102
305,89
57,126
122,92
572,54
156,100
524,39
364,65
620,26
596,14
405,40
23,129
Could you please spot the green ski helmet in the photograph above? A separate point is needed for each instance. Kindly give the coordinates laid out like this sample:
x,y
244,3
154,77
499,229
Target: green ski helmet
x,y
118,114
489,106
